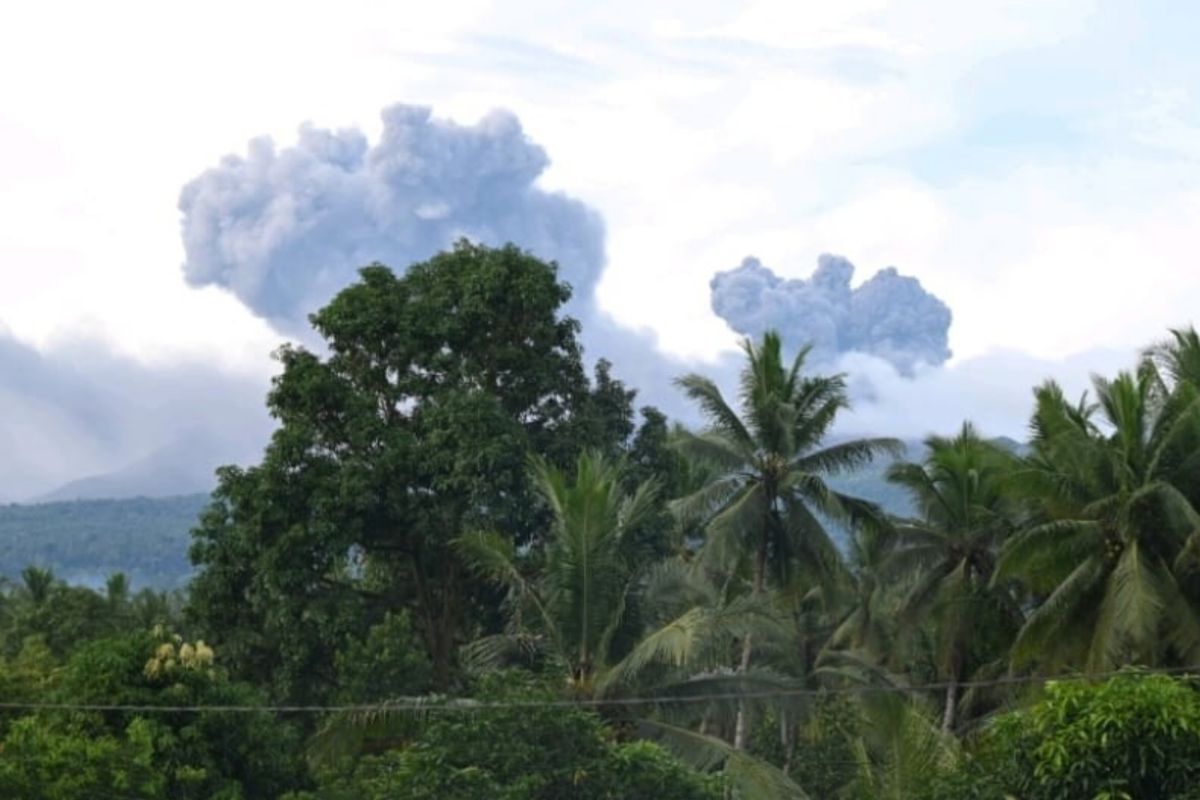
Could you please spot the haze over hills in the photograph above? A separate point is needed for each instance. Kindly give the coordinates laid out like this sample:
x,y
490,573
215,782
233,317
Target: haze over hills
x,y
145,534
185,466
143,529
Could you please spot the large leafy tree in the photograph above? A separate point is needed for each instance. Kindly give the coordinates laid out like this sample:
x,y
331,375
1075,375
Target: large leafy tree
x,y
764,507
1113,526
949,552
414,427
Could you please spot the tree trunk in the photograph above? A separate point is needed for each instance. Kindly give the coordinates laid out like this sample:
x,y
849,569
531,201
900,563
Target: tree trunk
x,y
787,740
442,661
740,733
435,607
739,730
951,705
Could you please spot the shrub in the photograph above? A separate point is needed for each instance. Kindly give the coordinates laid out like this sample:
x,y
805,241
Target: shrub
x,y
1134,736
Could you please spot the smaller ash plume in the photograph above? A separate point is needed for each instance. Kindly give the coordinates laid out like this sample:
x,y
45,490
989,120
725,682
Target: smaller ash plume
x,y
890,316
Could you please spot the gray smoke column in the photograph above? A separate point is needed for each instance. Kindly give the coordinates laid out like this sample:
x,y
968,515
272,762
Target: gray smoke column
x,y
890,316
285,228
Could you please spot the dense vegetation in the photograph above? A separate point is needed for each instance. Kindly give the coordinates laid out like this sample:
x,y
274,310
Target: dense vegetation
x,y
498,579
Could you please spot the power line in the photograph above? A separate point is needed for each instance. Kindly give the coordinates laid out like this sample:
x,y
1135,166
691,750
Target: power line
x,y
471,706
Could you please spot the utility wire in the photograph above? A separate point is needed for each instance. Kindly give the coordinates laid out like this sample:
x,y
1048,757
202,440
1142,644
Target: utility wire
x,y
436,705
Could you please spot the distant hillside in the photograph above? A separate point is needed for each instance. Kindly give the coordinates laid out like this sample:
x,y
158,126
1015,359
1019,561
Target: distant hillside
x,y
87,540
185,466
869,484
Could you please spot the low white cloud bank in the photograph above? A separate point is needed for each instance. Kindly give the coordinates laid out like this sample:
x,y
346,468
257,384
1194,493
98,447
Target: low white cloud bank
x,y
993,390
76,409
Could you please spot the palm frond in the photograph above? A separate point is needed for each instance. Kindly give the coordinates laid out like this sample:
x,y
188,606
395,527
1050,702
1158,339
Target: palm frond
x,y
699,638
847,456
903,746
488,653
712,447
709,499
807,540
346,733
1043,555
1179,356
738,519
639,506
720,416
1130,613
818,402
1071,602
749,777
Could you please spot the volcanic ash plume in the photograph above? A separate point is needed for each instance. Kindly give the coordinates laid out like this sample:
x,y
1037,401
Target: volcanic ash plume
x,y
286,229
889,316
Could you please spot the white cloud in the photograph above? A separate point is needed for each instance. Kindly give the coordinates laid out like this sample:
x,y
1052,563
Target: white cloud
x,y
993,390
703,132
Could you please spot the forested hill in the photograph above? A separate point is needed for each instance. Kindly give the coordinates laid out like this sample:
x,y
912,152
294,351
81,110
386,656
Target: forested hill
x,y
84,541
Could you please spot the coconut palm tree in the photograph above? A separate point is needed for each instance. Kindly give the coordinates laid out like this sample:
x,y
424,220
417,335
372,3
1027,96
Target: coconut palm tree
x,y
866,624
1113,527
1178,361
36,585
950,549
899,747
763,508
1178,358
569,599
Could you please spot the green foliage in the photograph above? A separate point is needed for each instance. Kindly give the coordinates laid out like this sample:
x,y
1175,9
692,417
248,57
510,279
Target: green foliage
x,y
529,753
1108,544
62,617
1134,736
817,752
575,604
44,763
418,426
761,512
949,550
207,754
771,468
899,748
393,540
870,483
388,662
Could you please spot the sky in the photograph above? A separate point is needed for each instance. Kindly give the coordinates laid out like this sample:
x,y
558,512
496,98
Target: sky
x,y
1033,164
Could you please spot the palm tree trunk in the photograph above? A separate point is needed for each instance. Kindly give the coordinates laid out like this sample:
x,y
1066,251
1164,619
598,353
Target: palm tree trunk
x,y
760,574
787,740
951,705
739,730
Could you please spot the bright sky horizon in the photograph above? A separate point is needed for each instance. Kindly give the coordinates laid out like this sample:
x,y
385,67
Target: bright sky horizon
x,y
1034,164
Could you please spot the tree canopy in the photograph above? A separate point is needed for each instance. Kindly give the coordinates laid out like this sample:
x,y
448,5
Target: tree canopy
x,y
467,567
